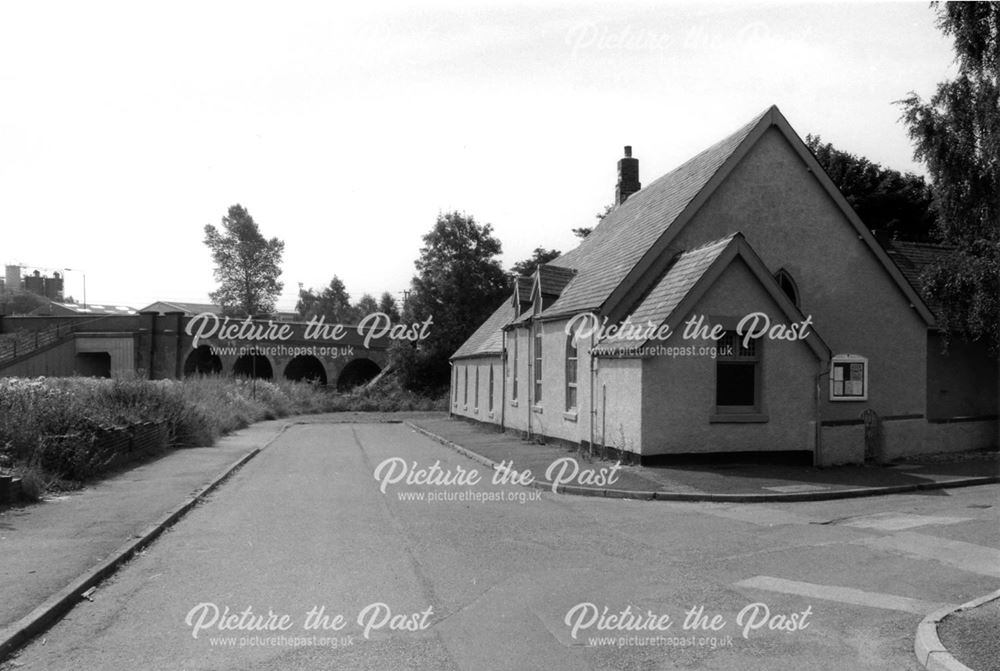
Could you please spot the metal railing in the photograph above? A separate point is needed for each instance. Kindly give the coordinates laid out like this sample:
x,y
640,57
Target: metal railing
x,y
19,344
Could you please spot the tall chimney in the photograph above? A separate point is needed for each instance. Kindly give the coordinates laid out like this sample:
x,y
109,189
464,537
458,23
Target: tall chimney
x,y
628,177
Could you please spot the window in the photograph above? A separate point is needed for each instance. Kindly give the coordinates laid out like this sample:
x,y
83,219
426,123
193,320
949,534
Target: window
x,y
737,374
491,389
455,387
513,369
787,285
465,393
848,378
477,389
538,364
571,361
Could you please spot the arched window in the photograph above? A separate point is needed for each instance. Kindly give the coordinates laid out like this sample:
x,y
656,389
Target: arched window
x,y
787,285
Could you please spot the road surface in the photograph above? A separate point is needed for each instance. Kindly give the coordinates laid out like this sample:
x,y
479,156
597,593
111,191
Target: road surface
x,y
302,561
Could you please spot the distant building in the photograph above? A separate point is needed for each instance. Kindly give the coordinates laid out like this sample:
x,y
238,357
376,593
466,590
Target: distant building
x,y
192,309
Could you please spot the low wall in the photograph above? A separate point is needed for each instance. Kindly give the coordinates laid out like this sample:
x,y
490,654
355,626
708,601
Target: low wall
x,y
845,443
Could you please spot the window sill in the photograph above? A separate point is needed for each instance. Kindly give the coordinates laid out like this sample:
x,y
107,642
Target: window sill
x,y
847,399
536,408
738,418
570,415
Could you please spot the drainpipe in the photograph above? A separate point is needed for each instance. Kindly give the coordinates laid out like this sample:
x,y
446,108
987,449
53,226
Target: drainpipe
x,y
593,408
817,451
503,378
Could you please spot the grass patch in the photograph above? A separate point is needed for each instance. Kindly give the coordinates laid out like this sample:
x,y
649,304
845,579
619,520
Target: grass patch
x,y
54,430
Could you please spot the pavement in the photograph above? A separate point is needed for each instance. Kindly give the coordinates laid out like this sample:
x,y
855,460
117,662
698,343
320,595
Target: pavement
x,y
724,482
55,552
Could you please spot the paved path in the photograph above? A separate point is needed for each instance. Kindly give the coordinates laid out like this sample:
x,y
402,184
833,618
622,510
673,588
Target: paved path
x,y
46,546
486,574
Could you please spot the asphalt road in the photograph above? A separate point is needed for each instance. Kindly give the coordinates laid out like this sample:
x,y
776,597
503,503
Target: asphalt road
x,y
319,569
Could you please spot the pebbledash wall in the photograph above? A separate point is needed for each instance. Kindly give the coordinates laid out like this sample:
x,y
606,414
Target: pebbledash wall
x,y
925,401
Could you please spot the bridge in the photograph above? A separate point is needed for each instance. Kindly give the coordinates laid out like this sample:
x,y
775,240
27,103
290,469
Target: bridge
x,y
175,345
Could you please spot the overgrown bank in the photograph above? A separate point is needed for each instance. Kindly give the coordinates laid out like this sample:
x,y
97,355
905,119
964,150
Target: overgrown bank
x,y
65,430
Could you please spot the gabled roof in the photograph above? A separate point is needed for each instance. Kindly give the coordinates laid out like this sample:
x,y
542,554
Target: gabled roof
x,y
522,289
687,279
636,234
488,338
189,309
553,279
624,235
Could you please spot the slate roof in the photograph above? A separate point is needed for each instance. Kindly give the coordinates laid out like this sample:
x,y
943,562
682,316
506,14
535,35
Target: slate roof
x,y
553,279
524,285
669,291
187,308
913,257
607,255
488,338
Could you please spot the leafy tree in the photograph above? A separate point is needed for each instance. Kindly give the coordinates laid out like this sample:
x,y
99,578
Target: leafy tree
x,y
957,135
333,303
459,283
366,305
247,265
537,258
387,304
898,204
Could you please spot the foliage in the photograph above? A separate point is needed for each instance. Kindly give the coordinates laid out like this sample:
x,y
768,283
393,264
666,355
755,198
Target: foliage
x,y
957,135
886,200
333,303
387,304
56,428
459,283
247,266
537,258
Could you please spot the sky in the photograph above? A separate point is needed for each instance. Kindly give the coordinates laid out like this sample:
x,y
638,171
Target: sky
x,y
345,131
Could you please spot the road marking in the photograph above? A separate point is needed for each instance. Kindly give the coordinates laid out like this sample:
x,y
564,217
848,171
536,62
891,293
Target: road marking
x,y
898,521
966,556
791,489
849,595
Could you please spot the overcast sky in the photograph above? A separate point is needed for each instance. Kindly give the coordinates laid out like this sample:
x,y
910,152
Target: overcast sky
x,y
125,128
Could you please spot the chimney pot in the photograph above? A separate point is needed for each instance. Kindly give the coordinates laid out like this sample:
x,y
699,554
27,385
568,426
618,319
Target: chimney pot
x,y
628,177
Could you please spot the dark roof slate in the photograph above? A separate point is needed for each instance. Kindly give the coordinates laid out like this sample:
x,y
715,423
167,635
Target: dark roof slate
x,y
488,338
606,256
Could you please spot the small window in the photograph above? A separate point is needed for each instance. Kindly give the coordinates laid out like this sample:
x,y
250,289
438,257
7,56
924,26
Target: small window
x,y
787,285
455,387
737,374
476,396
571,365
538,364
465,392
491,388
848,378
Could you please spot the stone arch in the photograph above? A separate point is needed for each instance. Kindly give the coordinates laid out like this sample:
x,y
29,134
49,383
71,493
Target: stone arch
x,y
305,368
357,372
256,365
201,361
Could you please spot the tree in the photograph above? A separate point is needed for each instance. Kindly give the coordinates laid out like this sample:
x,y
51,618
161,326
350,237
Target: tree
x,y
899,205
333,303
459,283
247,266
957,135
537,258
366,305
387,304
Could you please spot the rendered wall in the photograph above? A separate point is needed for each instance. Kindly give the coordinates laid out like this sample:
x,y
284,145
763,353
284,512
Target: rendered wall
x,y
678,392
792,223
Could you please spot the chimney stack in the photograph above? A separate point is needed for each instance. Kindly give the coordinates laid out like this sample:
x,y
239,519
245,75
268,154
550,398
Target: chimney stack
x,y
628,177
